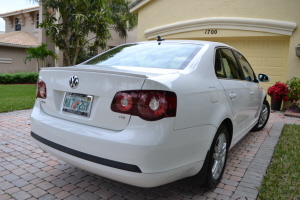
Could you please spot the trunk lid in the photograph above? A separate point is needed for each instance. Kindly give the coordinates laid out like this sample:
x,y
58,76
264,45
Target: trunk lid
x,y
99,85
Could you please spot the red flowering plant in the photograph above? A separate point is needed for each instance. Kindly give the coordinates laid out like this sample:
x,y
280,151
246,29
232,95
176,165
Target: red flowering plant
x,y
279,91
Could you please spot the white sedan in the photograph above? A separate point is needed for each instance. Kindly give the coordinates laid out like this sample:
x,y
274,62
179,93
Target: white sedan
x,y
150,113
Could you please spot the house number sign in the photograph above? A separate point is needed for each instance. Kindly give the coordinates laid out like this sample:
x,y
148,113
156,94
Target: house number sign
x,y
212,32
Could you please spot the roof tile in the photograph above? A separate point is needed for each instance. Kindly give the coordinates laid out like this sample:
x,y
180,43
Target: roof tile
x,y
19,38
18,11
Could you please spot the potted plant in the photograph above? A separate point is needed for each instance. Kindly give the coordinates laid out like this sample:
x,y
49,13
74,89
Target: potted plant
x,y
278,92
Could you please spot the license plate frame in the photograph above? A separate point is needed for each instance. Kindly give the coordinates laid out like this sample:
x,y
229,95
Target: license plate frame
x,y
77,104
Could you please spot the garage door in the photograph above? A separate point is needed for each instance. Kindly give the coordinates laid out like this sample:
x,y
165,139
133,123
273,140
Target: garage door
x,y
267,55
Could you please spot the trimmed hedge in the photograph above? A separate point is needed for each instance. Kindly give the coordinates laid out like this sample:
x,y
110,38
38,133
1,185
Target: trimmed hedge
x,y
24,77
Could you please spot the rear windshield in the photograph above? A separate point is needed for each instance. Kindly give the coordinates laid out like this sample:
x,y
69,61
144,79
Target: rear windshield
x,y
149,55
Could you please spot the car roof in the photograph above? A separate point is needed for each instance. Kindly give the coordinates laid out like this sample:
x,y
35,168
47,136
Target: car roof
x,y
201,42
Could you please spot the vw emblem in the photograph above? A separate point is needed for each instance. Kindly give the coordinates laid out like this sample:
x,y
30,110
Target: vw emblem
x,y
74,82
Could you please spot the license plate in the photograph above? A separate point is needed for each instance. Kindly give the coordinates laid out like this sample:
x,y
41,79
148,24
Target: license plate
x,y
79,104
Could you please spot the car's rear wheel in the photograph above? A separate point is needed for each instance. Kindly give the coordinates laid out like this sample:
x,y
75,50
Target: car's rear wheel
x,y
217,157
263,117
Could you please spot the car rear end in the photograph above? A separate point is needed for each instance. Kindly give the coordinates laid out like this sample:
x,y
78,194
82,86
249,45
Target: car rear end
x,y
100,119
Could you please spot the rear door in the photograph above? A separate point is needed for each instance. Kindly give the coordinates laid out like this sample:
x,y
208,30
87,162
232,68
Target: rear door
x,y
237,90
252,84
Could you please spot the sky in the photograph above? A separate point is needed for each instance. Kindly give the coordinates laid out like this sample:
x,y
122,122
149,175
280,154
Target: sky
x,y
12,5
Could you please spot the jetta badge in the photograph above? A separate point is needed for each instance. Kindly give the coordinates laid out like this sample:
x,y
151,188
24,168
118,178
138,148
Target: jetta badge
x,y
74,82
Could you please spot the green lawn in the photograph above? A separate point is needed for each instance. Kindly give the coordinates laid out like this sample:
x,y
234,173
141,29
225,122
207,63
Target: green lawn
x,y
282,180
16,97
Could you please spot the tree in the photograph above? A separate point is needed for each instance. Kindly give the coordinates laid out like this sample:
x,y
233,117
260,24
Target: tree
x,y
40,53
79,18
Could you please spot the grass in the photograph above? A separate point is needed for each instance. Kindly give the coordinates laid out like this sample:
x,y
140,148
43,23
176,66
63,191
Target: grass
x,y
282,180
16,97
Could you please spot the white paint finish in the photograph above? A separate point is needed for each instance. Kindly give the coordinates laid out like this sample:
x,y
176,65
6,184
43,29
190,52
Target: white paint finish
x,y
255,98
127,71
194,103
153,146
175,144
249,24
244,105
266,55
102,86
214,95
136,179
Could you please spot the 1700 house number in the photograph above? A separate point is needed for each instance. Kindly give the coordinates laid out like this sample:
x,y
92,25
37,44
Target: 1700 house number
x,y
212,32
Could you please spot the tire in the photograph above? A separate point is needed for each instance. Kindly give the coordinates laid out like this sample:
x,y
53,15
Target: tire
x,y
217,158
263,117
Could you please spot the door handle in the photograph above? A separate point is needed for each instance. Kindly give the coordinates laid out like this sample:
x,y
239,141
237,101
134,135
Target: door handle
x,y
232,95
251,92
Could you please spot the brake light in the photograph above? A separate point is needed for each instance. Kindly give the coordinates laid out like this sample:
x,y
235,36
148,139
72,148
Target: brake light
x,y
41,91
149,105
152,105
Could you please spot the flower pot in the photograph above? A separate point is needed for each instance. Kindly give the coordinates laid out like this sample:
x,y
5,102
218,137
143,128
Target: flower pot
x,y
275,105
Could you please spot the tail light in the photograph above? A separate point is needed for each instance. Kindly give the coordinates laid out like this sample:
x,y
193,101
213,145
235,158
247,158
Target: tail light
x,y
149,105
41,91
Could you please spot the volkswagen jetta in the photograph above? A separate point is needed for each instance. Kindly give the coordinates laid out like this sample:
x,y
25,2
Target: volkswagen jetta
x,y
150,113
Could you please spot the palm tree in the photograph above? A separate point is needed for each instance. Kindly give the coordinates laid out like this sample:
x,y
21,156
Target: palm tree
x,y
40,53
71,23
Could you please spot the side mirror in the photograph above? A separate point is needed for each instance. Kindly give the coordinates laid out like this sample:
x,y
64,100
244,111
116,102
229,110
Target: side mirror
x,y
263,78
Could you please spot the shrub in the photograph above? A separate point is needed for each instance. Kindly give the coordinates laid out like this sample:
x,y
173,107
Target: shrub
x,y
24,77
294,89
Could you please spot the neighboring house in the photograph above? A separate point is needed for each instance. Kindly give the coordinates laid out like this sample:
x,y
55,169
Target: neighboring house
x,y
12,51
22,32
264,31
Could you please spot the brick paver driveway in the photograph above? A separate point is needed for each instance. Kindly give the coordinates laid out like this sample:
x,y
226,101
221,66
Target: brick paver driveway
x,y
26,172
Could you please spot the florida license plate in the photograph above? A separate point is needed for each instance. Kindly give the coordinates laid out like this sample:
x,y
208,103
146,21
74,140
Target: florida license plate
x,y
78,104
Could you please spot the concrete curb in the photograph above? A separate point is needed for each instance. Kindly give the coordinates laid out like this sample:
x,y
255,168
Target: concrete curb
x,y
250,183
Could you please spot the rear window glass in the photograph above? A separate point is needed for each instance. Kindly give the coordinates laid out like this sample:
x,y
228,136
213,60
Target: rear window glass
x,y
149,55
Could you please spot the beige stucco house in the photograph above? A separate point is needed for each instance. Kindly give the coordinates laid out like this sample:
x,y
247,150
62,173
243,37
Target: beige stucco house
x,y
22,31
12,52
265,31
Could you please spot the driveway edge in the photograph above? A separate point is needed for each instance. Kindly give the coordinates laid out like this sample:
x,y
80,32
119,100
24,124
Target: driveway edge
x,y
251,182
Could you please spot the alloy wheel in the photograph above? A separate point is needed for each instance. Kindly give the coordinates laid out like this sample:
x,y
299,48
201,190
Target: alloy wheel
x,y
263,116
219,156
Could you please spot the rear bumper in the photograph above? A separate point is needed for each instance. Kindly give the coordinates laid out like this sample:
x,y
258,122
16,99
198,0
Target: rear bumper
x,y
132,178
88,157
142,155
